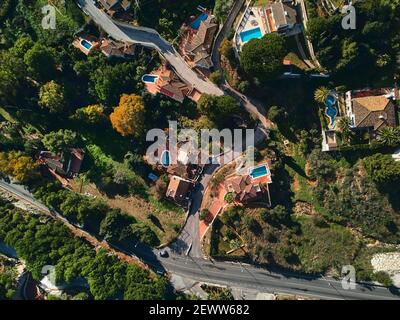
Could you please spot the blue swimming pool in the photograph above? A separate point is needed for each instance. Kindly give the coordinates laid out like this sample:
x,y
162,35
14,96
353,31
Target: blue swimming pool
x,y
259,172
165,158
331,110
149,78
196,23
86,44
248,35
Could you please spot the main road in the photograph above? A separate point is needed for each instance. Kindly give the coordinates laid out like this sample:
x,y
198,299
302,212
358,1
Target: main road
x,y
233,274
148,38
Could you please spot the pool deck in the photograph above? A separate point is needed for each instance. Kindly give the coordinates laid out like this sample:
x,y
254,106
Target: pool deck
x,y
249,22
265,178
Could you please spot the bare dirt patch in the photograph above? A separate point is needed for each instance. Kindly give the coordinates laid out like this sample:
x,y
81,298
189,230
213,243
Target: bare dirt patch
x,y
304,208
171,220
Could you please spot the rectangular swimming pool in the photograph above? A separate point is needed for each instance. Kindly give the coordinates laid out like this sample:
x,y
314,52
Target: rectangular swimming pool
x,y
86,44
149,78
248,35
259,172
196,23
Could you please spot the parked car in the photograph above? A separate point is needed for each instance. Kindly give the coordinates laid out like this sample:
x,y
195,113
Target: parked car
x,y
164,254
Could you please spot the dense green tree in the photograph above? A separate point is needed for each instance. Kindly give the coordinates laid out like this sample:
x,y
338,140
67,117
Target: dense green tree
x,y
114,226
218,109
52,97
279,213
369,53
12,75
389,136
382,168
108,83
8,277
144,233
222,8
4,9
39,244
317,28
216,77
60,141
203,214
139,286
93,114
383,278
262,58
40,62
21,46
106,276
276,114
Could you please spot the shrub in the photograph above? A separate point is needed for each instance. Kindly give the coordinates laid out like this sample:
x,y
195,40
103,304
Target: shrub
x,y
229,197
216,77
203,214
383,278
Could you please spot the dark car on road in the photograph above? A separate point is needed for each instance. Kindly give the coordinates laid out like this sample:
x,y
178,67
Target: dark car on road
x,y
164,254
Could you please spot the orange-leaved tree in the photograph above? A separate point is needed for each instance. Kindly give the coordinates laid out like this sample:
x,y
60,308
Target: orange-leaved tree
x,y
23,168
128,117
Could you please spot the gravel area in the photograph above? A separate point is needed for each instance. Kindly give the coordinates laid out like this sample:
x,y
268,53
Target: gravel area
x,y
389,262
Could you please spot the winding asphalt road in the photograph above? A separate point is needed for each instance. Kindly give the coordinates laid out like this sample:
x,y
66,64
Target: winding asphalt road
x,y
236,274
148,38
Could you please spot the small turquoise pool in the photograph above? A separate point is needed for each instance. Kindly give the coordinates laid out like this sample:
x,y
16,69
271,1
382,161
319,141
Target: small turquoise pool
x,y
259,172
149,78
331,110
165,158
330,101
248,35
86,44
196,23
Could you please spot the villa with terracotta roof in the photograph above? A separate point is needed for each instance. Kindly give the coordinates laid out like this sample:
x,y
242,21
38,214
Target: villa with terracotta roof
x,y
178,190
246,188
65,166
197,43
86,43
113,6
371,109
111,48
243,189
169,84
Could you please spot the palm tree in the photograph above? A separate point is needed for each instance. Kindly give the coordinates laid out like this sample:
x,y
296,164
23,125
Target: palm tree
x,y
321,94
344,126
389,136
